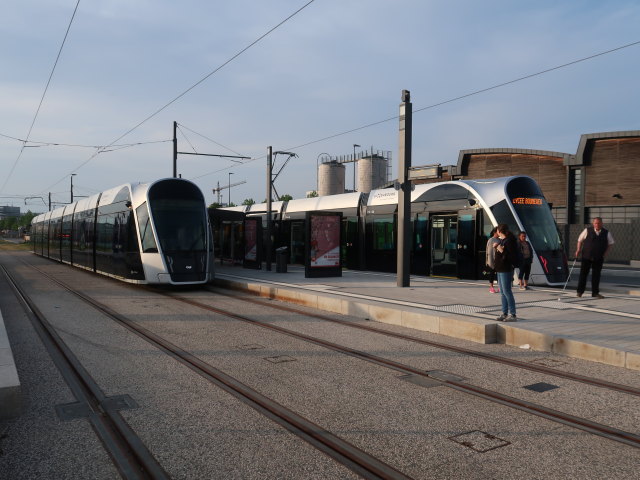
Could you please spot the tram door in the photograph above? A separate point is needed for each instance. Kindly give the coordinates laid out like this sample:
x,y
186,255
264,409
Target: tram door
x,y
297,242
444,245
349,247
467,244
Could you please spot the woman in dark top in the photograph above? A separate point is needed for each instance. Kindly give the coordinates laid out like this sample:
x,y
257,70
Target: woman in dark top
x,y
525,257
506,257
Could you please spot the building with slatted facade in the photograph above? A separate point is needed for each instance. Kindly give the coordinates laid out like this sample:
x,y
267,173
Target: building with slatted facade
x,y
600,180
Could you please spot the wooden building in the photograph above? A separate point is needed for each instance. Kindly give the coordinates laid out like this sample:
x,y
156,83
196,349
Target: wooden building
x,y
600,180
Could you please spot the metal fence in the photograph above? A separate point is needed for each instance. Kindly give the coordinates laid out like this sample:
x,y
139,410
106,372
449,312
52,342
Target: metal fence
x,y
626,236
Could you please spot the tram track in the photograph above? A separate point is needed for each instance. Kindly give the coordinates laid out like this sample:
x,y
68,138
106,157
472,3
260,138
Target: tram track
x,y
358,461
129,454
201,367
627,389
234,387
583,424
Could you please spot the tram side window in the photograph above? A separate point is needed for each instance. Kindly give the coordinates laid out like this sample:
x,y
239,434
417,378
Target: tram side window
x,y
146,232
383,234
503,215
106,224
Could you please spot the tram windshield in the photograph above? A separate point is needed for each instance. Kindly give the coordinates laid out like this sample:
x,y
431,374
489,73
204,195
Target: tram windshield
x,y
538,222
179,216
534,213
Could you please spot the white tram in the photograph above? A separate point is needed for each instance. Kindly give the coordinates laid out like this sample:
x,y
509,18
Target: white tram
x,y
148,233
450,224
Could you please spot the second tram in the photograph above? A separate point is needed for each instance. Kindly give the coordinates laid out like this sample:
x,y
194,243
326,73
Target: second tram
x,y
450,224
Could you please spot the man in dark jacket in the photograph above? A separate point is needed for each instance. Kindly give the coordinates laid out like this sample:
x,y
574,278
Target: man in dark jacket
x,y
594,242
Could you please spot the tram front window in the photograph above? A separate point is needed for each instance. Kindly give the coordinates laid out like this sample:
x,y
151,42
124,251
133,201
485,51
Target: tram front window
x,y
180,224
535,215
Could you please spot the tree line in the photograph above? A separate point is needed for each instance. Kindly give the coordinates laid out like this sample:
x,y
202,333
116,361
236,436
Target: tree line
x,y
251,201
14,223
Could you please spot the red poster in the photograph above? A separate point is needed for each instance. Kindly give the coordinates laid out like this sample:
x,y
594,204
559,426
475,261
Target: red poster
x,y
325,241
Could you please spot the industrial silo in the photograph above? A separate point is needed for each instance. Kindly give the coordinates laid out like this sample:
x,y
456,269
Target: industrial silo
x,y
331,178
372,173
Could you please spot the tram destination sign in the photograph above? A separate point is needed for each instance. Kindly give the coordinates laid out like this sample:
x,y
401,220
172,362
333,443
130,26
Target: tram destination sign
x,y
526,201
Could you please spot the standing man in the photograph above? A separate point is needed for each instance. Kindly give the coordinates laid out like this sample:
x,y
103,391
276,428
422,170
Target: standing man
x,y
594,242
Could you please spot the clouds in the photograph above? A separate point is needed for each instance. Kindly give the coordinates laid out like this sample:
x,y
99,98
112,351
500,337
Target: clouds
x,y
334,67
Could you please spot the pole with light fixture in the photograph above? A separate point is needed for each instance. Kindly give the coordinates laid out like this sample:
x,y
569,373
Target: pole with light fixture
x,y
354,165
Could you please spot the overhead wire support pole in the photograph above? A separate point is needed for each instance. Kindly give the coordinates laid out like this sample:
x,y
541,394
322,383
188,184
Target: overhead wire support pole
x,y
269,185
176,152
404,192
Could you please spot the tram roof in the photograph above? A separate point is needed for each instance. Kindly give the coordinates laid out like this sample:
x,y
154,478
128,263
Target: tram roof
x,y
326,202
262,207
490,190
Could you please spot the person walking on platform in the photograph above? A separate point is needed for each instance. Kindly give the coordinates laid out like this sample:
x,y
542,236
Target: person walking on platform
x,y
491,258
525,259
594,243
506,257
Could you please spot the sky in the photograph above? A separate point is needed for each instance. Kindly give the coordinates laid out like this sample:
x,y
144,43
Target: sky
x,y
329,77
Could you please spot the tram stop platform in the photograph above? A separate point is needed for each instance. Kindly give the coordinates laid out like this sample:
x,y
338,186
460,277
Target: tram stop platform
x,y
10,393
600,330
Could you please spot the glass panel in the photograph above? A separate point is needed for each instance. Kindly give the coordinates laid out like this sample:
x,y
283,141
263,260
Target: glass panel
x,y
444,248
297,242
539,225
503,214
383,235
180,224
146,232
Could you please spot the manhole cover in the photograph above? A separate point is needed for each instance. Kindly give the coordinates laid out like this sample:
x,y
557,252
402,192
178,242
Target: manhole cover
x,y
71,411
541,387
280,359
479,441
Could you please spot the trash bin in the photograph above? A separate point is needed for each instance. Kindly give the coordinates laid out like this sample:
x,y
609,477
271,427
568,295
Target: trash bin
x,y
281,260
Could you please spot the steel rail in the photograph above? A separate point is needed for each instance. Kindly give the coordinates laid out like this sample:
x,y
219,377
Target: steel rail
x,y
340,450
595,428
130,456
452,348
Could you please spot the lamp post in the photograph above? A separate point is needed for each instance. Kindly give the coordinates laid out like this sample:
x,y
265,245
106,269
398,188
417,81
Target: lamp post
x,y
72,175
230,173
354,165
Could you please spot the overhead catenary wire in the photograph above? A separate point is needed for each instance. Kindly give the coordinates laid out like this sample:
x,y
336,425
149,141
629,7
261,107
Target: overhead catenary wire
x,y
34,143
217,69
444,102
15,164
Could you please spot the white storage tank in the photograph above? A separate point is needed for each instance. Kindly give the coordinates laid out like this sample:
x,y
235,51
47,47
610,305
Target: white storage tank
x,y
331,178
372,173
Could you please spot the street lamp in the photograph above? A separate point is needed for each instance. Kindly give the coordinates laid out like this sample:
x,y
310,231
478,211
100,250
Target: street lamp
x,y
354,165
230,173
72,175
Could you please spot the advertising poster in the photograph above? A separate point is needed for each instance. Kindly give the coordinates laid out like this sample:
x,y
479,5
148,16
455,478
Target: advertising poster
x,y
251,240
323,244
